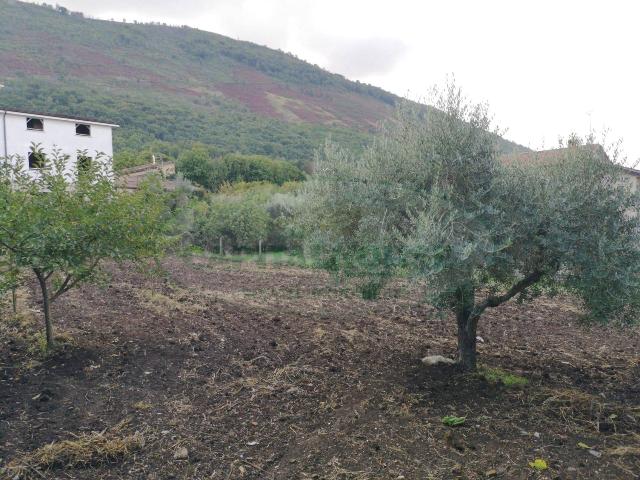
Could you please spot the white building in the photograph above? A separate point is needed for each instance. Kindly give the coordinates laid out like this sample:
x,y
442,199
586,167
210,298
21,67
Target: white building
x,y
82,140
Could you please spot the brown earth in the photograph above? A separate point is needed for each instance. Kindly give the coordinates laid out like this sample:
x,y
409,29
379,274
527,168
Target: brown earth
x,y
256,91
257,372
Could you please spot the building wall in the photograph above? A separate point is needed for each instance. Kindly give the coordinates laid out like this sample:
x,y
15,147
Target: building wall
x,y
631,179
57,133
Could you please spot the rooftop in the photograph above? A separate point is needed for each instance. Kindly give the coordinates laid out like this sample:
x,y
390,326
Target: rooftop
x,y
59,117
557,155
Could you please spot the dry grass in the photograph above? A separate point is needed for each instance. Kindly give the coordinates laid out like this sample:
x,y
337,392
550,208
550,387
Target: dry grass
x,y
25,326
142,405
83,450
334,471
624,450
259,382
180,300
582,411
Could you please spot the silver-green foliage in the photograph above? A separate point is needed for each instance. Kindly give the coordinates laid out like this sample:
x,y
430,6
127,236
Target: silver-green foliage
x,y
430,198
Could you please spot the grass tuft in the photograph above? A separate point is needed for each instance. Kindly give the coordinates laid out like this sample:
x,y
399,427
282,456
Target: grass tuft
x,y
83,451
267,258
142,405
499,376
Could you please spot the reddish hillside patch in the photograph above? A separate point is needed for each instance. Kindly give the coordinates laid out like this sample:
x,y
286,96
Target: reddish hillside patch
x,y
11,64
329,106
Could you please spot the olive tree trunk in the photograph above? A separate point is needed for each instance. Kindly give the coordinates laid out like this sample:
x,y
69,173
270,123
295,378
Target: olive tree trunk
x,y
467,322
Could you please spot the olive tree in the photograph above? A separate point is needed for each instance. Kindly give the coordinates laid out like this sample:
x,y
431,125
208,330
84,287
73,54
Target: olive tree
x,y
430,199
61,226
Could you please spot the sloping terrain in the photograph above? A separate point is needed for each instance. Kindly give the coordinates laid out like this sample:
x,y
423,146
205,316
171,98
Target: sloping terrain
x,y
180,85
216,370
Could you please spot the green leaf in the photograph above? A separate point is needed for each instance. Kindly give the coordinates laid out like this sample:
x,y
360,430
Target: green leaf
x,y
539,464
452,421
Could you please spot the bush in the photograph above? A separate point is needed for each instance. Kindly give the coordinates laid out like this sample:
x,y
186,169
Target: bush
x,y
241,222
245,213
198,166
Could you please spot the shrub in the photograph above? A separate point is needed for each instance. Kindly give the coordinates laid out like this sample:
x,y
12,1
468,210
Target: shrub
x,y
245,213
198,166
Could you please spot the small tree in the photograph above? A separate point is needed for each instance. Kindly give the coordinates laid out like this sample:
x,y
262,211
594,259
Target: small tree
x,y
61,226
241,219
430,198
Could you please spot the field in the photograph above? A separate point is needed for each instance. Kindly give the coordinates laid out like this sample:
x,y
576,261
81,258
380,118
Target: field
x,y
231,370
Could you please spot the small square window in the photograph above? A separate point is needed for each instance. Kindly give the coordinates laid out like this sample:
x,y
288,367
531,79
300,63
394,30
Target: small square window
x,y
83,129
35,124
37,160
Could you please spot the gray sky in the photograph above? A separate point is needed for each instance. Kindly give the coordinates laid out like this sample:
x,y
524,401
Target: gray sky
x,y
546,67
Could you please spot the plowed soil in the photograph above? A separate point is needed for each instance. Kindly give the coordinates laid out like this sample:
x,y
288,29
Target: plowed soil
x,y
242,371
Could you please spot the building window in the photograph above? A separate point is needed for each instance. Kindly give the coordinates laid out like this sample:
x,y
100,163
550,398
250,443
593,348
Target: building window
x,y
83,129
84,164
37,160
35,124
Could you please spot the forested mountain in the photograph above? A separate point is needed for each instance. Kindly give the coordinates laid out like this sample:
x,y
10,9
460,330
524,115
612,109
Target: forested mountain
x,y
171,86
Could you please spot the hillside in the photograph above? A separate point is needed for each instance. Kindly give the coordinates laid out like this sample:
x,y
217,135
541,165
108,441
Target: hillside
x,y
179,85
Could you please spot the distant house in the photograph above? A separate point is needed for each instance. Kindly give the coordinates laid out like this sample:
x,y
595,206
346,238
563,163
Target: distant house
x,y
631,175
81,139
130,178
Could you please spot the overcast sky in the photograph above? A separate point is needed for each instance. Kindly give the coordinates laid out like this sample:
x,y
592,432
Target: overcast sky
x,y
546,67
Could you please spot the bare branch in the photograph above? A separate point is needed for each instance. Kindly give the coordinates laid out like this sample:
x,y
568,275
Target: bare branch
x,y
495,300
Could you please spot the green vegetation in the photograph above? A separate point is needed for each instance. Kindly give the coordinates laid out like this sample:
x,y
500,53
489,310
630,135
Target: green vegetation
x,y
170,87
61,228
289,259
244,214
212,173
453,421
499,376
430,199
150,122
539,464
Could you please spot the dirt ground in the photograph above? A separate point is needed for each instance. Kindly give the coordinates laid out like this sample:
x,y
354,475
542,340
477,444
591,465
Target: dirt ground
x,y
240,371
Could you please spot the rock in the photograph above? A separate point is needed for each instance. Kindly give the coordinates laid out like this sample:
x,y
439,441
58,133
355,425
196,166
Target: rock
x,y
432,360
181,453
595,453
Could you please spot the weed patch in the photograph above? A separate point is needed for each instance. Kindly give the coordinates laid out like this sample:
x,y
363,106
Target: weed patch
x,y
498,376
